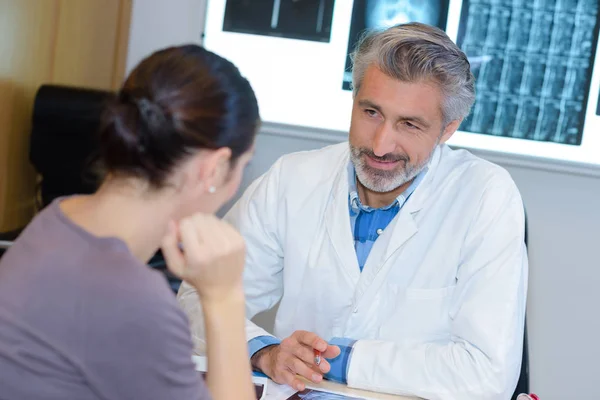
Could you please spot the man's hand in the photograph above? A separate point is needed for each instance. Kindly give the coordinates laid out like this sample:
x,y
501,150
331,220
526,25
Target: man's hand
x,y
295,356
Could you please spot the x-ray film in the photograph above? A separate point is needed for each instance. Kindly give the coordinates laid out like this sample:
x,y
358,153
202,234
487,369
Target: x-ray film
x,y
532,60
376,14
312,394
295,19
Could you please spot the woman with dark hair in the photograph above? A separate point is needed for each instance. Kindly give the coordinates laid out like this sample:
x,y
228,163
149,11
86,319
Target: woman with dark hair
x,y
174,144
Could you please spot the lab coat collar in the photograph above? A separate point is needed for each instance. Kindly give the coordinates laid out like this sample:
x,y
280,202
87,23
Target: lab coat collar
x,y
421,193
337,221
405,225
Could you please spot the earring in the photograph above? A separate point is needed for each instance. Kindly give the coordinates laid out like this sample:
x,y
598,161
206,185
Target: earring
x,y
212,190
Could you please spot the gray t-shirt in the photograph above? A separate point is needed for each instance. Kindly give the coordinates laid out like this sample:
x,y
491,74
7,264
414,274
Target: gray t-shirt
x,y
81,318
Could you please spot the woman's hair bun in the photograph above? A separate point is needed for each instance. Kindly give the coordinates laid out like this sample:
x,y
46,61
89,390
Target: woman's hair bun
x,y
177,101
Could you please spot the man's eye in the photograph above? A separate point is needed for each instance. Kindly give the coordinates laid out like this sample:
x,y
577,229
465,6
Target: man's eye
x,y
371,113
410,126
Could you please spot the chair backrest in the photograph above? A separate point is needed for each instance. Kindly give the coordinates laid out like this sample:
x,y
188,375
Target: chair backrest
x,y
64,142
64,146
523,382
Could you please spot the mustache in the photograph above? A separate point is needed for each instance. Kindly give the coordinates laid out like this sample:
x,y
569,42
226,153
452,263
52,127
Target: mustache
x,y
389,157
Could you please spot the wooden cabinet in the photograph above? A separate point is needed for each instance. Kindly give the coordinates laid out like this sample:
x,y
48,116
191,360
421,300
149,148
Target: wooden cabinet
x,y
72,42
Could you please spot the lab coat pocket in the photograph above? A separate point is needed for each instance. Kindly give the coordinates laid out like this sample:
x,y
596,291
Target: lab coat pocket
x,y
417,314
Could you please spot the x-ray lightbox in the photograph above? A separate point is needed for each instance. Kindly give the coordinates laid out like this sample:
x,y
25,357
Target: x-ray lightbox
x,y
535,61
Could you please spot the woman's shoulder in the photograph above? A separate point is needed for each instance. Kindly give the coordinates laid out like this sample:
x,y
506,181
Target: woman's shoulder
x,y
65,269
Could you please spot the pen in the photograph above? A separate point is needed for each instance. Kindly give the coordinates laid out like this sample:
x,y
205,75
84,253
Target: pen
x,y
317,357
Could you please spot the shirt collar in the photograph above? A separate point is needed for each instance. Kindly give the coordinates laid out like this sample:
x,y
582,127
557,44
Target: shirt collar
x,y
355,203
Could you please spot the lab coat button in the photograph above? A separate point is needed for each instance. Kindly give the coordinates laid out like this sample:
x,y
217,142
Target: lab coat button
x,y
355,310
379,231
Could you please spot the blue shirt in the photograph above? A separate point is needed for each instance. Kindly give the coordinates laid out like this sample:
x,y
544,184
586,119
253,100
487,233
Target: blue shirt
x,y
367,224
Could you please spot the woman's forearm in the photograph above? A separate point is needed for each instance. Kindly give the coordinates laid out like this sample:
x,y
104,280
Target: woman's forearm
x,y
229,373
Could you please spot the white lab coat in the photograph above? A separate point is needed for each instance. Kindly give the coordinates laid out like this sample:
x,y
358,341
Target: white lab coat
x,y
438,313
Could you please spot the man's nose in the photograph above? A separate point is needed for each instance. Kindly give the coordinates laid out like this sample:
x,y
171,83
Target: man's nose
x,y
384,140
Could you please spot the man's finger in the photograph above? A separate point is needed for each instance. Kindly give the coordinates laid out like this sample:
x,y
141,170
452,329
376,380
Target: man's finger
x,y
289,378
324,367
301,368
312,340
331,352
305,353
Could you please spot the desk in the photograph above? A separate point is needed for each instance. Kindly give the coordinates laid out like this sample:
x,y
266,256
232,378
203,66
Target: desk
x,y
282,392
279,392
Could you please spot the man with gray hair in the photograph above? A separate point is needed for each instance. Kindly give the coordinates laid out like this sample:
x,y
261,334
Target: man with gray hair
x,y
399,263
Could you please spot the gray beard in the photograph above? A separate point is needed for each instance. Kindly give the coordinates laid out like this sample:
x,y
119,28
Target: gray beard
x,y
384,181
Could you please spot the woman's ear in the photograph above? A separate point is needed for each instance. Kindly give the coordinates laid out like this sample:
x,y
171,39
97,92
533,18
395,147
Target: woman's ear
x,y
214,168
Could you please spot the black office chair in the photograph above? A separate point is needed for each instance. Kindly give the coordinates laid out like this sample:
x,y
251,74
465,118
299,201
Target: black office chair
x,y
63,149
523,382
62,142
6,239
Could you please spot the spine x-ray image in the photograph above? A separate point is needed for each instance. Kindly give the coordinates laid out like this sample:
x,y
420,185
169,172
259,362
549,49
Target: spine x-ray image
x,y
295,19
375,14
533,63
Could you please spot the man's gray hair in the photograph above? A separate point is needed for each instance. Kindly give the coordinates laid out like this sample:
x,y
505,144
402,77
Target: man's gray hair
x,y
416,52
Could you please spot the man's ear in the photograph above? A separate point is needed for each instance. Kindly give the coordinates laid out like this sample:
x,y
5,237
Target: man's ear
x,y
450,129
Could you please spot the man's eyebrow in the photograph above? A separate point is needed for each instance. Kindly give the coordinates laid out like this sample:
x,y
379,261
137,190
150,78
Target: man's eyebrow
x,y
369,104
420,121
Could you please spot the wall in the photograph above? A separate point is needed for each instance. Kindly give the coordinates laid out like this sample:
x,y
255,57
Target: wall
x,y
564,278
159,23
564,223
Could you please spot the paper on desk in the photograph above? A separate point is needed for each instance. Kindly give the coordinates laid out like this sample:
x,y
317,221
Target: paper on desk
x,y
279,392
284,392
200,363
